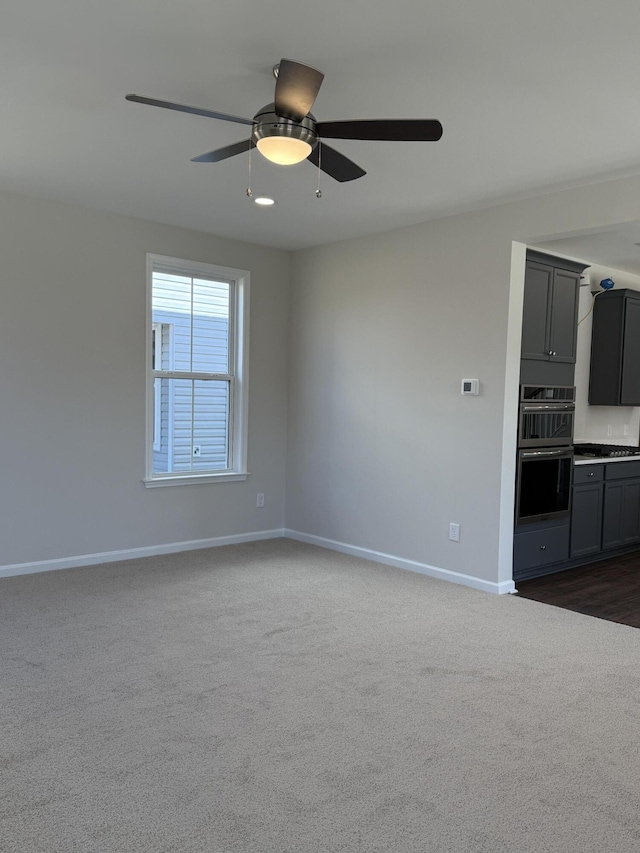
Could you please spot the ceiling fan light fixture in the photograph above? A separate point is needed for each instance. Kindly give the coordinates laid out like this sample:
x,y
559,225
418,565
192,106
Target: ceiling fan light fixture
x,y
282,140
283,150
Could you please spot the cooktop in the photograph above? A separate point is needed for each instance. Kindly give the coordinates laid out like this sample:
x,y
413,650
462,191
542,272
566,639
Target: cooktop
x,y
605,450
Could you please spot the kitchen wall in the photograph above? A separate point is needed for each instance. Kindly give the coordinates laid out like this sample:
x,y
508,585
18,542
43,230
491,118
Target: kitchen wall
x,y
608,424
72,384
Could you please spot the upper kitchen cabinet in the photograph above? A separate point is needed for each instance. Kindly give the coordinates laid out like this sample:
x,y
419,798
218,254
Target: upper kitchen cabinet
x,y
549,322
615,349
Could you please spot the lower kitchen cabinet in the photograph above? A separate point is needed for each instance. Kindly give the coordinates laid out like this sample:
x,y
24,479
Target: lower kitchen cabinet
x,y
605,508
586,520
621,517
586,510
621,512
537,548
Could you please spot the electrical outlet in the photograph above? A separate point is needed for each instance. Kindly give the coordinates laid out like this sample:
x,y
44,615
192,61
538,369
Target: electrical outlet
x,y
260,499
196,450
454,532
609,430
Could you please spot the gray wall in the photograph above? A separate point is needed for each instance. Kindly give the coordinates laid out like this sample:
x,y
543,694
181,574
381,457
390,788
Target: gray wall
x,y
384,451
72,385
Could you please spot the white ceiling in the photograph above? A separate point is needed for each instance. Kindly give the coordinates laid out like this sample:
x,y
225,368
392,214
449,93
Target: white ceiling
x,y
531,96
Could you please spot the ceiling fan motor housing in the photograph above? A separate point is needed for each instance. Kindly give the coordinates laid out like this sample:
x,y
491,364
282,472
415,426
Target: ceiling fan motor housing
x,y
268,123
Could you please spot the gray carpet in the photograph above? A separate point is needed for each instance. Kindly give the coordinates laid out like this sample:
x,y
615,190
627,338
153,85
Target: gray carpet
x,y
279,697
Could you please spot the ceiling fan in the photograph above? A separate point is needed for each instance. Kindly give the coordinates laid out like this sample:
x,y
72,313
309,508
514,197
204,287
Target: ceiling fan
x,y
285,132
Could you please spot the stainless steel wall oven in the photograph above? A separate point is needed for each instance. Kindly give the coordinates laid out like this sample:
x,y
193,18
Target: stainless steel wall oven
x,y
545,453
544,484
546,416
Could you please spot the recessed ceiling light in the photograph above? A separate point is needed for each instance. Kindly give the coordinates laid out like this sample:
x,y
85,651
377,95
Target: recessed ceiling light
x,y
264,201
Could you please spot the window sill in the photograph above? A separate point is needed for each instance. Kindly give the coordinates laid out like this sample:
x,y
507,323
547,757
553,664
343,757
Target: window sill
x,y
193,479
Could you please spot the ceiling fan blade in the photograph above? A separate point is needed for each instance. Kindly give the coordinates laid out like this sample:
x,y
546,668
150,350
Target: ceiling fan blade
x,y
335,164
389,130
224,153
185,108
297,87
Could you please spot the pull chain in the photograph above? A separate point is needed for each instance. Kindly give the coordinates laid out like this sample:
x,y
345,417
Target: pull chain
x,y
249,190
319,191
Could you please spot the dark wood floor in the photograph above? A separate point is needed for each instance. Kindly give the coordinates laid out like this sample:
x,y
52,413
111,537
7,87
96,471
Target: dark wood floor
x,y
609,589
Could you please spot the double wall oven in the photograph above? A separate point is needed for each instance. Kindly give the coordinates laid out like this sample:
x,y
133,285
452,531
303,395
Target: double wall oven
x,y
545,452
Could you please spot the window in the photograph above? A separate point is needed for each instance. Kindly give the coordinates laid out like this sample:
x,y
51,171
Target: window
x,y
197,362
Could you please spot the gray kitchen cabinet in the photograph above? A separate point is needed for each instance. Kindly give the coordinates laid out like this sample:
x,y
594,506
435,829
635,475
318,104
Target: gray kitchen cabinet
x,y
621,513
586,511
615,349
621,518
535,549
549,321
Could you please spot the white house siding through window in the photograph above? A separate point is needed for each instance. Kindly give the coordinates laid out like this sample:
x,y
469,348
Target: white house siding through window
x,y
192,319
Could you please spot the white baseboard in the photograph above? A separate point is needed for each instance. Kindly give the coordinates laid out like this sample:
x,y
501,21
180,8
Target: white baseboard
x,y
400,563
134,553
195,544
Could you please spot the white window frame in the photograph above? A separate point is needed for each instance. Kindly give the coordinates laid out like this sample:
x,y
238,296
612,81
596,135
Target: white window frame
x,y
164,334
156,329
238,373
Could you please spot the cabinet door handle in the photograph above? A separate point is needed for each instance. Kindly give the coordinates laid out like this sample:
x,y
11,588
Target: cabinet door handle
x,y
543,547
590,474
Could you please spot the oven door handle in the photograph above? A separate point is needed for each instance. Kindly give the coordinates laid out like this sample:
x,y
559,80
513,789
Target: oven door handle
x,y
549,407
532,454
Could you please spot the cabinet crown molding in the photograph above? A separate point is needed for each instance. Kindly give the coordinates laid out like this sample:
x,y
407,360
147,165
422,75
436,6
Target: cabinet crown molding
x,y
556,261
